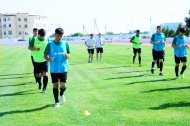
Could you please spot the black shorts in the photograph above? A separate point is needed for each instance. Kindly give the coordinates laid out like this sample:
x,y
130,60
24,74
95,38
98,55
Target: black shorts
x,y
157,54
56,77
180,59
40,67
135,51
91,51
99,50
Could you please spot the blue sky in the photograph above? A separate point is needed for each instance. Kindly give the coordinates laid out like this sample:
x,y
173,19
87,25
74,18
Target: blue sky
x,y
117,15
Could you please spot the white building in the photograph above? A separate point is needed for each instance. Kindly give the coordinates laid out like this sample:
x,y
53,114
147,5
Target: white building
x,y
20,25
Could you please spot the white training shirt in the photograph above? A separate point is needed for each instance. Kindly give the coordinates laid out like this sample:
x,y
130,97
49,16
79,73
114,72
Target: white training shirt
x,y
99,42
91,42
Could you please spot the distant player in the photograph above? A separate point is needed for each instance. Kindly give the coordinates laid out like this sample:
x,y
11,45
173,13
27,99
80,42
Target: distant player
x,y
99,46
90,43
180,52
136,41
35,33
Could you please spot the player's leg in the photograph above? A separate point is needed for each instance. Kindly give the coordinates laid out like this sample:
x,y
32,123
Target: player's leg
x,y
37,70
54,77
184,61
177,62
139,56
134,55
97,51
101,53
45,75
154,55
63,80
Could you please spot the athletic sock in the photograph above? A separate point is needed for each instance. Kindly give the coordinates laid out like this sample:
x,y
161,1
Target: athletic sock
x,y
45,81
183,69
153,63
161,66
158,64
134,59
55,93
176,71
139,59
39,82
62,91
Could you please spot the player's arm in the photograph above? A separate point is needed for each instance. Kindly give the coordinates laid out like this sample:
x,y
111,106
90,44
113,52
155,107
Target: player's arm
x,y
67,55
132,40
152,40
86,44
31,45
174,43
46,53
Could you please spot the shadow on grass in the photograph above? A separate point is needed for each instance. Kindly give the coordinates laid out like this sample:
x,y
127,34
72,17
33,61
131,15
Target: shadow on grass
x,y
150,81
13,85
133,71
167,89
19,93
10,78
127,77
113,67
171,105
25,111
15,74
72,64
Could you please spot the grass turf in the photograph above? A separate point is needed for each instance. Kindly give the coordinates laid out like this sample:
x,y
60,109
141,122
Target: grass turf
x,y
115,92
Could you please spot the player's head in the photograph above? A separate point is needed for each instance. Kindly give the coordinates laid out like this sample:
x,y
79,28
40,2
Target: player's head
x,y
181,31
41,33
35,31
159,29
91,35
59,34
137,32
99,34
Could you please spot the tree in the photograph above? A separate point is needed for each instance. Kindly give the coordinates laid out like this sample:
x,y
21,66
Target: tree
x,y
187,21
171,33
177,31
187,33
78,34
110,33
166,32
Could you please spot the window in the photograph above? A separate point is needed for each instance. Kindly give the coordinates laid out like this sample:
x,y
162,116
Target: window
x,y
25,26
9,32
20,33
19,26
8,18
25,19
4,25
9,25
19,19
4,33
4,19
26,33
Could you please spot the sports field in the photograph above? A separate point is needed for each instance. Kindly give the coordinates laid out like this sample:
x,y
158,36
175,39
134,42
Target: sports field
x,y
115,92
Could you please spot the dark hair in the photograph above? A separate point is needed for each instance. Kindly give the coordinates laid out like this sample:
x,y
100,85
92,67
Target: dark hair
x,y
42,32
182,30
35,29
59,31
91,34
158,27
137,31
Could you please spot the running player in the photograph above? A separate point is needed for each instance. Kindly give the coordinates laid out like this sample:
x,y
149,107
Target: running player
x,y
57,53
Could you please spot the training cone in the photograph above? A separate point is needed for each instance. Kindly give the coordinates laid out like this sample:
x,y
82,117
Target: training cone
x,y
86,113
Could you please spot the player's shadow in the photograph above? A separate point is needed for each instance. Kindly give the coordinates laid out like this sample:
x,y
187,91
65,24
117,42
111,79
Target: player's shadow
x,y
126,77
9,78
167,89
171,105
113,67
75,64
19,93
15,74
14,85
25,111
139,71
150,81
